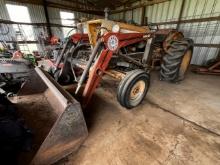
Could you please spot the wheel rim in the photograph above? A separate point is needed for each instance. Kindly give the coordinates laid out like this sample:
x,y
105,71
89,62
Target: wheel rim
x,y
185,63
137,91
172,36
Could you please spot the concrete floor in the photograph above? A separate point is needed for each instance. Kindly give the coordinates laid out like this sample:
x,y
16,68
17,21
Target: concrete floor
x,y
176,124
196,99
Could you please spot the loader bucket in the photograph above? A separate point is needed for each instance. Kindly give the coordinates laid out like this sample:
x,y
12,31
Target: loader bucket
x,y
55,118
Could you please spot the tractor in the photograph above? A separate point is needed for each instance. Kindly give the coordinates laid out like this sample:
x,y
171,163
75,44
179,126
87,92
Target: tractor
x,y
128,53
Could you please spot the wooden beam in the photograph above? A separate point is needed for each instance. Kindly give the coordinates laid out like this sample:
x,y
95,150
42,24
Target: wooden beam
x,y
67,7
80,3
139,6
91,3
127,2
62,6
107,3
35,2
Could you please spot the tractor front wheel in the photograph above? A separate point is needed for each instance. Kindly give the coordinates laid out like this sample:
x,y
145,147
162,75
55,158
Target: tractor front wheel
x,y
133,88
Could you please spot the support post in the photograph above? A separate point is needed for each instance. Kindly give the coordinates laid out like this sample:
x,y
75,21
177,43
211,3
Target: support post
x,y
132,15
47,18
181,14
143,16
124,15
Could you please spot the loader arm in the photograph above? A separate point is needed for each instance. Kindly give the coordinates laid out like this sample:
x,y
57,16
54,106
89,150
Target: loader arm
x,y
101,64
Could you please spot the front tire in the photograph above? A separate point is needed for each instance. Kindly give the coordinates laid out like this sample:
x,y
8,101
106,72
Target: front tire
x,y
133,88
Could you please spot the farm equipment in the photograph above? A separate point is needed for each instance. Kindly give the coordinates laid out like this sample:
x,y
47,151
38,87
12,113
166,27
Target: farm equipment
x,y
212,67
14,70
59,66
128,53
125,52
6,50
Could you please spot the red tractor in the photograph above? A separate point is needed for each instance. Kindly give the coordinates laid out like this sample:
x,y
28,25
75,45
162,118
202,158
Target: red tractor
x,y
125,52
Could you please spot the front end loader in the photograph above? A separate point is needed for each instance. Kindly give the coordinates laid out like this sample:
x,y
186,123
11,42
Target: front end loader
x,y
54,117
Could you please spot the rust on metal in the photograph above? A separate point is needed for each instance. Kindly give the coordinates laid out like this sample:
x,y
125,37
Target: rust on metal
x,y
67,129
212,70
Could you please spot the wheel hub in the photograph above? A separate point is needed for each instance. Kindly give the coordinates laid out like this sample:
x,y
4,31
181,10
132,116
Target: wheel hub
x,y
137,90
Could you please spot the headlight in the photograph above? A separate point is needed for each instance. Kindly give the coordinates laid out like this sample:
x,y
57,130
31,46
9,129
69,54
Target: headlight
x,y
115,28
112,43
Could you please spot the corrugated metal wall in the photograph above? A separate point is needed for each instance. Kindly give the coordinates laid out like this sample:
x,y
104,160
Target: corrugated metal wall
x,y
6,30
202,32
37,16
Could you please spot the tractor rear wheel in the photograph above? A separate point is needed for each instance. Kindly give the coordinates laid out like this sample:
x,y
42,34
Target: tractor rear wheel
x,y
176,60
133,88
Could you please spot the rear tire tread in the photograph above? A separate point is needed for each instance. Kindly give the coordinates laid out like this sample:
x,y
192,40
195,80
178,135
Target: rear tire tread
x,y
173,58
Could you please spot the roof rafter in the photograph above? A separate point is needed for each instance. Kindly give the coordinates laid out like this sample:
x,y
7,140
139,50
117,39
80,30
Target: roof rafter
x,y
63,6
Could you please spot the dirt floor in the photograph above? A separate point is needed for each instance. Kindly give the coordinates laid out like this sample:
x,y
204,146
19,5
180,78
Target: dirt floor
x,y
157,132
